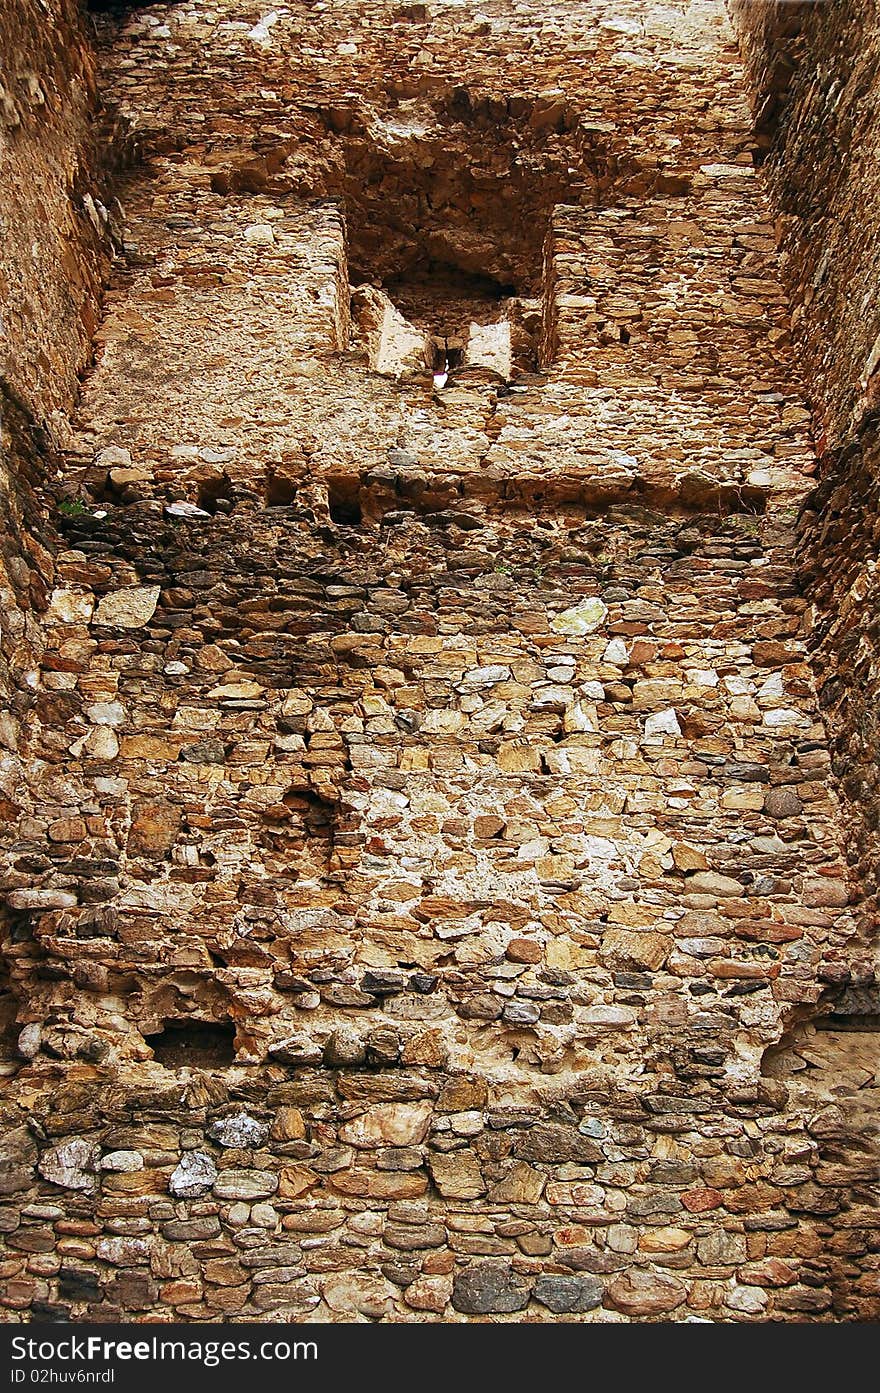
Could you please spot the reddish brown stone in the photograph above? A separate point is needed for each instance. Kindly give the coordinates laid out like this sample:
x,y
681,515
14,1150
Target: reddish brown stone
x,y
639,1293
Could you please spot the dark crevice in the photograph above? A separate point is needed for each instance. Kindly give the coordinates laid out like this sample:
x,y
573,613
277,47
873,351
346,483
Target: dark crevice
x,y
344,503
215,495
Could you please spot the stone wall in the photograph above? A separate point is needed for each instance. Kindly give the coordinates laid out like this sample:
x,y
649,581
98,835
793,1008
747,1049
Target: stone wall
x,y
431,902
815,75
54,224
54,232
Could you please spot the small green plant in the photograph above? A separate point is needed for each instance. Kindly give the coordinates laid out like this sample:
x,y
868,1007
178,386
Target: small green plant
x,y
72,507
501,568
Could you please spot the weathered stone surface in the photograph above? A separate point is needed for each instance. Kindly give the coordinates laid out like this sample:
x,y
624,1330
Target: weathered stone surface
x,y
583,618
239,1129
40,901
193,1176
289,1125
563,1294
437,721
551,1142
352,1293
489,1289
782,803
131,608
395,1124
640,1293
457,1174
345,1047
429,1294
30,1038
72,1164
245,1185
639,950
124,1162
396,349
296,1049
523,1184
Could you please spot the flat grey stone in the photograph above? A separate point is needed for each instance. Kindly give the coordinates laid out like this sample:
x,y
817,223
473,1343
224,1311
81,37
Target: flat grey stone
x,y
562,1294
489,1289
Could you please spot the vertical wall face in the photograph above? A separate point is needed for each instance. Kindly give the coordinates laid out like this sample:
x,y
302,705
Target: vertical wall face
x,y
51,260
49,271
52,220
813,70
431,871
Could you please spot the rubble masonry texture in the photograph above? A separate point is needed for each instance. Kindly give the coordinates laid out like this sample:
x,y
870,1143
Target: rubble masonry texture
x,y
440,862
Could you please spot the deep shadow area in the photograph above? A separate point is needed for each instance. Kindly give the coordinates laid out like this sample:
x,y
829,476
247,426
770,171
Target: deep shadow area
x,y
199,1044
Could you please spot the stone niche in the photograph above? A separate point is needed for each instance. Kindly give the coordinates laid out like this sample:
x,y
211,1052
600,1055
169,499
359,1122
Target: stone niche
x,y
439,318
446,227
194,1044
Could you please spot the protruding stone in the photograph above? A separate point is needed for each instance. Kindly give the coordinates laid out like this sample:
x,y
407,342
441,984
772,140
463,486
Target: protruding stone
x,y
184,509
289,1125
123,1162
70,606
553,1143
113,457
72,1165
641,1293
131,608
489,1288
623,948
394,346
562,1294
239,1129
429,1294
204,752
583,618
193,1176
710,883
345,1048
260,235
782,803
29,1040
40,901
101,743
296,1049
660,725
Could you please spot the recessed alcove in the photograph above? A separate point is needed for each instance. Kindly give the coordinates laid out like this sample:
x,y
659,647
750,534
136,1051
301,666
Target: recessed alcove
x,y
9,1028
443,300
215,495
280,491
834,1051
447,213
436,318
194,1044
469,319
343,500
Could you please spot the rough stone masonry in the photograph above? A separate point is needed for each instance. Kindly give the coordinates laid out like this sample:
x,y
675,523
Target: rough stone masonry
x,y
440,805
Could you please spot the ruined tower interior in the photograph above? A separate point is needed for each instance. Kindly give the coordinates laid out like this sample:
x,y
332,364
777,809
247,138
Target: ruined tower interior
x,y
439,660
